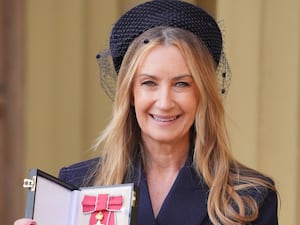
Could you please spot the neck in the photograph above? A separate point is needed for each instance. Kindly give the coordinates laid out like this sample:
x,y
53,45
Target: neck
x,y
158,156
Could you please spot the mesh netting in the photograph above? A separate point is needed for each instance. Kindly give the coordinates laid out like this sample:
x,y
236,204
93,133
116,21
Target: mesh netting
x,y
171,13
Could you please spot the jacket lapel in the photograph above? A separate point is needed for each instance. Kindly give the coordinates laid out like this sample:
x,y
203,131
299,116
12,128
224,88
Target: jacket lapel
x,y
186,203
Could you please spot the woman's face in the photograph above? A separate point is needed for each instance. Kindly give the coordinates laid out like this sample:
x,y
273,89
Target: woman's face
x,y
165,96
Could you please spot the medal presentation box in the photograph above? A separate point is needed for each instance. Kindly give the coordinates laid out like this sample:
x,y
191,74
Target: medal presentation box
x,y
52,201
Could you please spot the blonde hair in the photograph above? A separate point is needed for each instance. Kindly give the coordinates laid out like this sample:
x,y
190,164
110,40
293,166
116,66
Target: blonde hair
x,y
225,177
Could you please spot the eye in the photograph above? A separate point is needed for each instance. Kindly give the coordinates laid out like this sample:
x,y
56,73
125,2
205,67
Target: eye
x,y
148,83
182,84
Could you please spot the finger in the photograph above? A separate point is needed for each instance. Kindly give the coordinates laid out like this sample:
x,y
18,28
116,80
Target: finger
x,y
25,221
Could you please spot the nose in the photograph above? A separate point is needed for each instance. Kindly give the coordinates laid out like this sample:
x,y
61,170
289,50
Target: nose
x,y
165,98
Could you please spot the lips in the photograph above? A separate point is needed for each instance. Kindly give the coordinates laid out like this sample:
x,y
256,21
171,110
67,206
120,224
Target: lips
x,y
164,118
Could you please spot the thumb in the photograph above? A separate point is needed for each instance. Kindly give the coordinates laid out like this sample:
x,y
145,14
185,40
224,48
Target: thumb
x,y
25,221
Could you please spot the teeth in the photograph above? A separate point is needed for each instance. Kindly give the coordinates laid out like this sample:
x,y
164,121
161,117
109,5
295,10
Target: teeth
x,y
164,119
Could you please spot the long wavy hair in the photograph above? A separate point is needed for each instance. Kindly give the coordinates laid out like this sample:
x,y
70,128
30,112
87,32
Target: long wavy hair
x,y
225,176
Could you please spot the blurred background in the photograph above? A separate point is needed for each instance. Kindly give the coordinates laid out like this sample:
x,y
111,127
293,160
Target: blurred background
x,y
52,107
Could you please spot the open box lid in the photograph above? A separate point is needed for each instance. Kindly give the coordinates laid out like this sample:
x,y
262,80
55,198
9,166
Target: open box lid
x,y
52,201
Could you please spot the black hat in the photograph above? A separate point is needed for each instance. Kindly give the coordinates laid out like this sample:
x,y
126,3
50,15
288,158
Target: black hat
x,y
171,13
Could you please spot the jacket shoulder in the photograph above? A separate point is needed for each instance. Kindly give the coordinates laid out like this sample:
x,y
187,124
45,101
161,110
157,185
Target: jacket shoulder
x,y
267,201
79,174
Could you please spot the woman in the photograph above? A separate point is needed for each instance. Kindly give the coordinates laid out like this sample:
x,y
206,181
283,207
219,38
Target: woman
x,y
168,132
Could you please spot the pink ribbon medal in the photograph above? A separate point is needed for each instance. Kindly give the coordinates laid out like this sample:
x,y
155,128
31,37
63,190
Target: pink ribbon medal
x,y
102,208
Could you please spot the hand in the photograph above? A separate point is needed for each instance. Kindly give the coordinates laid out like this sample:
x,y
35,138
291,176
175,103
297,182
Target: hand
x,y
25,221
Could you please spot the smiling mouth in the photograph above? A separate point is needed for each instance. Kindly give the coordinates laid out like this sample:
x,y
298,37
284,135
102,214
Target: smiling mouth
x,y
164,118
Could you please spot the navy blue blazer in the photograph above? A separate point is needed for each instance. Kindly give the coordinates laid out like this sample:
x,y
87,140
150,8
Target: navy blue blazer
x,y
185,204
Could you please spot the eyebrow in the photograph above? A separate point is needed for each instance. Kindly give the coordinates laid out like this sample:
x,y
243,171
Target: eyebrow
x,y
174,78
